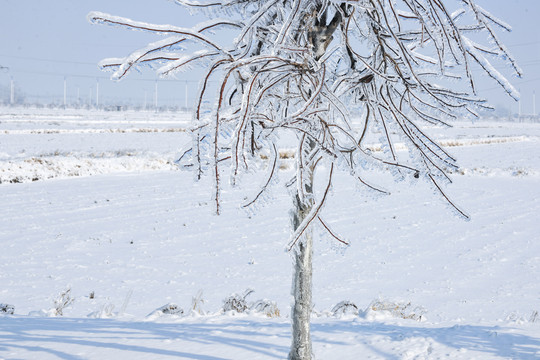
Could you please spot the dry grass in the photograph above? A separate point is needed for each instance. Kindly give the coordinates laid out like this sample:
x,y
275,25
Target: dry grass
x,y
397,309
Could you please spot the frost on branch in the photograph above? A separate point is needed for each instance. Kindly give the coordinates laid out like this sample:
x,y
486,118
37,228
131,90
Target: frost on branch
x,y
332,73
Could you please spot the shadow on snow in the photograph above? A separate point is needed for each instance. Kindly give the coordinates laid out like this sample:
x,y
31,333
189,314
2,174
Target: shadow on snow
x,y
259,337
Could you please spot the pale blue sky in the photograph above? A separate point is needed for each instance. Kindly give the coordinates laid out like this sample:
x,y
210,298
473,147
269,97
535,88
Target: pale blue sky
x,y
41,42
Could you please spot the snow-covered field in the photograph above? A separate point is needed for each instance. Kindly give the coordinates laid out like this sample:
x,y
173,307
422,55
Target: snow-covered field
x,y
93,202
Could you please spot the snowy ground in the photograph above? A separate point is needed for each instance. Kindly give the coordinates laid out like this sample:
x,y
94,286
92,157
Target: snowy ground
x,y
92,202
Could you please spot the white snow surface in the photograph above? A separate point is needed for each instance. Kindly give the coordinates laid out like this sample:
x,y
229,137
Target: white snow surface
x,y
93,202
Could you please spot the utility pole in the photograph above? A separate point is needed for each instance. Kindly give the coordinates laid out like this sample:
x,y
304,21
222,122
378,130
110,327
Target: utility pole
x,y
12,97
5,69
145,94
519,110
534,103
97,93
65,92
155,97
186,93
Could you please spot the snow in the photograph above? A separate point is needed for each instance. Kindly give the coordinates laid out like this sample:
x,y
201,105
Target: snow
x,y
114,220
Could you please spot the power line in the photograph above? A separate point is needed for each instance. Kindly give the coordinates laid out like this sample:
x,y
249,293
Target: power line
x,y
524,44
500,67
73,75
520,82
48,60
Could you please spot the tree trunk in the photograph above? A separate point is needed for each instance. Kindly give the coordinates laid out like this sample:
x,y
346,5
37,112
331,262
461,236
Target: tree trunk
x,y
319,37
303,274
301,290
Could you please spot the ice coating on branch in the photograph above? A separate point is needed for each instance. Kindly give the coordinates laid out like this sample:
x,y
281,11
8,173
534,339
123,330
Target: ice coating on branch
x,y
481,16
457,14
147,55
486,65
103,18
185,63
352,82
97,17
493,18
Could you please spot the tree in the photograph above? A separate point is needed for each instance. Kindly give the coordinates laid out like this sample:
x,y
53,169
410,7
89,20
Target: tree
x,y
333,73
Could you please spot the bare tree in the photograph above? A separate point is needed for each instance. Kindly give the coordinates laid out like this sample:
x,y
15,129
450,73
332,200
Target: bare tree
x,y
331,72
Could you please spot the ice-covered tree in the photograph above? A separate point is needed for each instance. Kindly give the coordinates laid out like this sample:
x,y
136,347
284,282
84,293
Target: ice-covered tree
x,y
333,73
